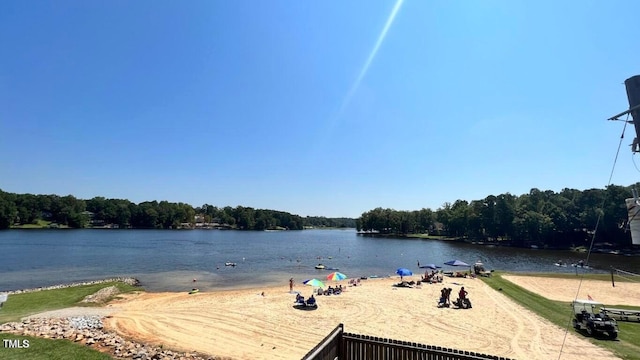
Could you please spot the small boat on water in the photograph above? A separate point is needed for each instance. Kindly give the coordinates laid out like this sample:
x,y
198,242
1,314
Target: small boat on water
x,y
194,291
578,265
230,264
320,267
581,264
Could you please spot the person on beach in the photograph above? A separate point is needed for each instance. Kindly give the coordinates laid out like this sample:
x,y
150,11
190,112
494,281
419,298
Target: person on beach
x,y
291,285
443,297
462,294
311,301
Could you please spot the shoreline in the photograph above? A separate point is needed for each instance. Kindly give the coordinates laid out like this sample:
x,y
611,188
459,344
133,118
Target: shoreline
x,y
127,280
259,322
270,284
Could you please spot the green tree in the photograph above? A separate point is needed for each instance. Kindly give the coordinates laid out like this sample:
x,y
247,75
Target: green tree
x,y
8,211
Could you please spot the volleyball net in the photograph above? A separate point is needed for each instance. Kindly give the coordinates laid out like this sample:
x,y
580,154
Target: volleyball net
x,y
622,275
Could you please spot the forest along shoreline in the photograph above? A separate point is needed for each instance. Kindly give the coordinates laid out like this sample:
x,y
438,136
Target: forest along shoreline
x,y
537,219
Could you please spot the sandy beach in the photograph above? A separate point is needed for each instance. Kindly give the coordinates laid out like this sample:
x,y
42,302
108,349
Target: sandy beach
x,y
243,324
624,293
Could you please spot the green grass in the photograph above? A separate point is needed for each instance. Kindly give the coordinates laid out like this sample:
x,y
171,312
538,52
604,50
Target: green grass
x,y
587,276
430,237
38,225
560,313
21,305
46,349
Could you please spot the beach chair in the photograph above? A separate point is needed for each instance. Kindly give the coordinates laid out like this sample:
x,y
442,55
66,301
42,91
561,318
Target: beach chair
x,y
311,302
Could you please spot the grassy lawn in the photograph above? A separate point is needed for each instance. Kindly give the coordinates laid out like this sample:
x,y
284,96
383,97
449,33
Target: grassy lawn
x,y
561,314
40,224
45,349
20,305
431,237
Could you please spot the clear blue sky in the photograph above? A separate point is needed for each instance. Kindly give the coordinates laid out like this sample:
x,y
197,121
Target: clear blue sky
x,y
311,107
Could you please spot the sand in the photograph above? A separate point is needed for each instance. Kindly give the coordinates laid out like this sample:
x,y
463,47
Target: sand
x,y
243,324
624,293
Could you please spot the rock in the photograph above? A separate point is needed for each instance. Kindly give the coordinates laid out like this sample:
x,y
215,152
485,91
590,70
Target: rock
x,y
88,330
101,295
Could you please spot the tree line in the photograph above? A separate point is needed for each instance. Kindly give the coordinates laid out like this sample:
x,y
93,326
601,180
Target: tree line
x,y
20,209
321,221
563,219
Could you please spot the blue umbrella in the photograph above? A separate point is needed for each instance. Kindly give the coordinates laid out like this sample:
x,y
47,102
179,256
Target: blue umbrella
x,y
403,272
430,266
456,263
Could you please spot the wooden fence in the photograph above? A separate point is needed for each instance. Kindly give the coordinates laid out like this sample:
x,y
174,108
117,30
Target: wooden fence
x,y
339,345
329,347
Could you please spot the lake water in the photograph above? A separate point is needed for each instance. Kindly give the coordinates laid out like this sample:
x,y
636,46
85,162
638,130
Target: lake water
x,y
168,260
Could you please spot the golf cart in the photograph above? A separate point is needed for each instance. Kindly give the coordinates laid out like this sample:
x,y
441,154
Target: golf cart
x,y
587,316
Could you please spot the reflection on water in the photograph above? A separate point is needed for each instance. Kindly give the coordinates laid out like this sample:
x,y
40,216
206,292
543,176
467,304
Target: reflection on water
x,y
167,260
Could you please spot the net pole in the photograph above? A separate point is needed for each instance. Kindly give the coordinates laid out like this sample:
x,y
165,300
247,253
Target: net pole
x,y
613,283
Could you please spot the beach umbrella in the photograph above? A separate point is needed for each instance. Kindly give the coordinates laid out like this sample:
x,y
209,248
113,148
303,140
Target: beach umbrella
x,y
313,282
456,263
336,276
403,272
430,266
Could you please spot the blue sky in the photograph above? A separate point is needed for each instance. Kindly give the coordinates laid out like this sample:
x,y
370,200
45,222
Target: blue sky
x,y
305,107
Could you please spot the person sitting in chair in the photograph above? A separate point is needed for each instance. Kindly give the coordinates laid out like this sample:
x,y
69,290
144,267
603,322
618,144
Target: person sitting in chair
x,y
443,298
462,294
311,301
299,299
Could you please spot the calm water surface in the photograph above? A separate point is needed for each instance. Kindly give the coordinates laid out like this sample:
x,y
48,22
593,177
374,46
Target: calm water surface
x,y
166,260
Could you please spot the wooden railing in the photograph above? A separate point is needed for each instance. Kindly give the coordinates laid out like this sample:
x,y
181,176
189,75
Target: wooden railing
x,y
329,347
339,345
367,347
